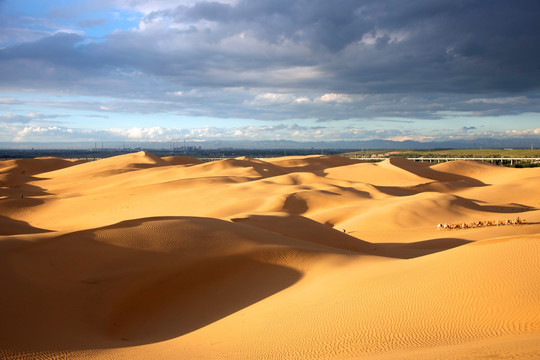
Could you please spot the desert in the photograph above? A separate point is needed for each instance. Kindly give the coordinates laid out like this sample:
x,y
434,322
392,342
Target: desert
x,y
300,257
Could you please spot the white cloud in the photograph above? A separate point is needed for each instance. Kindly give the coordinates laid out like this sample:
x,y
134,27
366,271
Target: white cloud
x,y
270,98
515,132
302,100
337,98
298,73
371,38
356,131
30,133
501,100
274,98
421,138
263,132
153,133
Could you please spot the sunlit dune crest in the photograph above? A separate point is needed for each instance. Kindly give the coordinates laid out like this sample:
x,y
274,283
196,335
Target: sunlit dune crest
x,y
316,257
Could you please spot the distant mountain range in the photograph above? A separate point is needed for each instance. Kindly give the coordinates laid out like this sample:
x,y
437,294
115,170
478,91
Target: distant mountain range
x,y
481,143
485,143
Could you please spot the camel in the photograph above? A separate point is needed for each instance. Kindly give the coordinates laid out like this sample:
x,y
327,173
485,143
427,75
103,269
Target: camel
x,y
480,223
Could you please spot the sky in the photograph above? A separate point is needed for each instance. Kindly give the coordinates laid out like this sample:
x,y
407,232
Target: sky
x,y
304,70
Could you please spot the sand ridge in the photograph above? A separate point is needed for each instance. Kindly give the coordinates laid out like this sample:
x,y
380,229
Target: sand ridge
x,y
142,257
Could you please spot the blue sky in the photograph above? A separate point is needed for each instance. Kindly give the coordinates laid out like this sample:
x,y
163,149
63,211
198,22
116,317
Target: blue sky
x,y
302,70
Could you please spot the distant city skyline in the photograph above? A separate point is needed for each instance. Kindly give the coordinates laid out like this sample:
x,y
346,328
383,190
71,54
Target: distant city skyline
x,y
232,70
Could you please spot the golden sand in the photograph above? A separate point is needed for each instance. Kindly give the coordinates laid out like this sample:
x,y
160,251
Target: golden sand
x,y
317,257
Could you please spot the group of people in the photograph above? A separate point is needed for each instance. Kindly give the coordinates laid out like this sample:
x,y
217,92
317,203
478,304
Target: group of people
x,y
480,223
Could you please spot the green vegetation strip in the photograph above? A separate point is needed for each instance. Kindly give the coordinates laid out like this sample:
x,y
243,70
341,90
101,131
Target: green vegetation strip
x,y
451,153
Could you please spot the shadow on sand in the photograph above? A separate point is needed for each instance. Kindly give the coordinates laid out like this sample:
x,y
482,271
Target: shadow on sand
x,y
79,292
19,194
9,226
99,294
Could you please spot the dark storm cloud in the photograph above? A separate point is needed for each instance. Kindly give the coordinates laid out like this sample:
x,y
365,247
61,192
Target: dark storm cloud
x,y
447,45
463,47
56,63
318,23
423,46
413,59
56,49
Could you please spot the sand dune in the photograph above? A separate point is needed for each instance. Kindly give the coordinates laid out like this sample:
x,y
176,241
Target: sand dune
x,y
181,160
378,174
141,257
35,166
15,174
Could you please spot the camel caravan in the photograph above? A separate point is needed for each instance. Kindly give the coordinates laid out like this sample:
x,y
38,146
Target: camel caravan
x,y
480,223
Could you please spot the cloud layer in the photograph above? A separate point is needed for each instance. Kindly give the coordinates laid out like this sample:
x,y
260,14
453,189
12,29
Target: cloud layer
x,y
275,60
